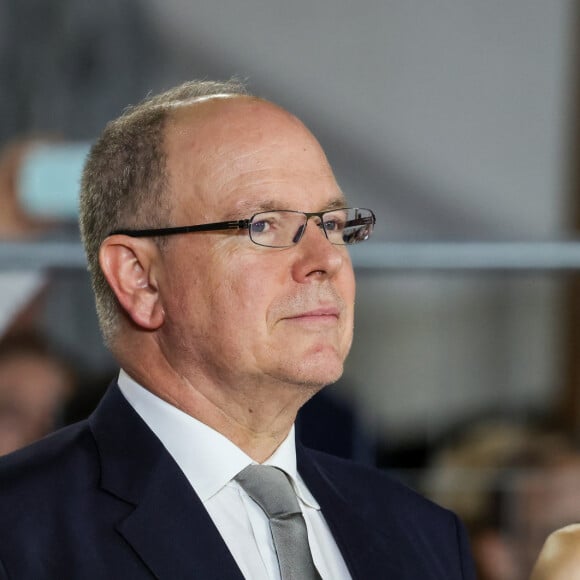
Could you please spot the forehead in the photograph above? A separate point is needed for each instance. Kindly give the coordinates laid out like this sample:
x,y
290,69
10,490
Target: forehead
x,y
211,121
243,152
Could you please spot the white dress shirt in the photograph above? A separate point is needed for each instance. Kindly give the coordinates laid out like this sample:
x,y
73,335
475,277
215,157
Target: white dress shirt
x,y
210,461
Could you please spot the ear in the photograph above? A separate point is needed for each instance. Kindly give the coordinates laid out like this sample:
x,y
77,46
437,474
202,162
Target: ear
x,y
128,264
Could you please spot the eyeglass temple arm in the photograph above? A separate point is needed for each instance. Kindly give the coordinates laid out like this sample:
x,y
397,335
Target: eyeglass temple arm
x,y
231,225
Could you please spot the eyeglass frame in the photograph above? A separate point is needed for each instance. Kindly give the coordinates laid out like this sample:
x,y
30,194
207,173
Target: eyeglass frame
x,y
238,225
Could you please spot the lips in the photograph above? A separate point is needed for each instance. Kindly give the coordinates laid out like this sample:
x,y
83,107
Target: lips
x,y
320,314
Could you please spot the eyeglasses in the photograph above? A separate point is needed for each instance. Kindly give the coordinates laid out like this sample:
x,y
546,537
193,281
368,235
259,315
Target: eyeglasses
x,y
283,228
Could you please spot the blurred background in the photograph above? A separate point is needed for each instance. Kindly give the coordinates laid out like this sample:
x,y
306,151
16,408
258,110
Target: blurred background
x,y
457,121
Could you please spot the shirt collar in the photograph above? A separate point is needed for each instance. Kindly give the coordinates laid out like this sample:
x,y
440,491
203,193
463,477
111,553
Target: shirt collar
x,y
207,458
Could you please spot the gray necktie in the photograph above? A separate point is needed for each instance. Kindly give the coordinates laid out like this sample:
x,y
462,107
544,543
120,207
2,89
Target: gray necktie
x,y
271,489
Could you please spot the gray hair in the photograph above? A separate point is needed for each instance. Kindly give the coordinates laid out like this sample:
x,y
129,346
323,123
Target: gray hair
x,y
124,180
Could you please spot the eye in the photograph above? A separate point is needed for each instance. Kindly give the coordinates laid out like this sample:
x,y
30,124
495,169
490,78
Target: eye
x,y
265,223
260,226
334,223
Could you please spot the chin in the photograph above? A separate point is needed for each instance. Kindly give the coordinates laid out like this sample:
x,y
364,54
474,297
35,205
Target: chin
x,y
313,365
315,373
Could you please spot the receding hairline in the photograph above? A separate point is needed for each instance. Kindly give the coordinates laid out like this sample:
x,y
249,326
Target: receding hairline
x,y
215,105
204,98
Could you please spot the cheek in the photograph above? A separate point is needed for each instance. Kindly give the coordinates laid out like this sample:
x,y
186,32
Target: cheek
x,y
346,286
238,294
351,290
243,301
347,289
187,292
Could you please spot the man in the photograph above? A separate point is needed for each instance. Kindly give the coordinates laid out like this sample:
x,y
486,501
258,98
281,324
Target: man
x,y
227,308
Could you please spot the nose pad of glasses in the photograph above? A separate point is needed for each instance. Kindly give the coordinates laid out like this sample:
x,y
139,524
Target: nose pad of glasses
x,y
298,235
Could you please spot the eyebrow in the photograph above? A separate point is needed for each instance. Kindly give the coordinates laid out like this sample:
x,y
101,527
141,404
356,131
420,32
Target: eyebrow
x,y
253,207
336,203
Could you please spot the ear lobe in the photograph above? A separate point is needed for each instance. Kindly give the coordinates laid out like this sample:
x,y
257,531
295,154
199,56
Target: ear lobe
x,y
127,265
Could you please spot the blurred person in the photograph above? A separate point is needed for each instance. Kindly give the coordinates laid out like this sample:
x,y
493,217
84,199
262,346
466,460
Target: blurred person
x,y
560,556
512,484
35,387
544,495
216,237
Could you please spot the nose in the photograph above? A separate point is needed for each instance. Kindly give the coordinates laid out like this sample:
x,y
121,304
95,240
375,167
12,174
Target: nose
x,y
316,257
300,231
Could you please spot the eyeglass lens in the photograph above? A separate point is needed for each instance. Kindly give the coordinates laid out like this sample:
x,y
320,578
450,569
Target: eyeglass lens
x,y
283,228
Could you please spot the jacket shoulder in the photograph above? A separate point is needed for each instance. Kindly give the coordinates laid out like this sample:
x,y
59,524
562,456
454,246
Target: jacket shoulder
x,y
425,533
46,470
369,485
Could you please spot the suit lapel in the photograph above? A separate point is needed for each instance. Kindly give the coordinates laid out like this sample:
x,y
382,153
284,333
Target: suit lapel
x,y
173,534
169,528
367,552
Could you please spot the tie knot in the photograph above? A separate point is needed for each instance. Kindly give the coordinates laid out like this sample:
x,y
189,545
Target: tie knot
x,y
271,489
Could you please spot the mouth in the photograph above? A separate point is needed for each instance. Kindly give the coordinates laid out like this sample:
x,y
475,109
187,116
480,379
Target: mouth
x,y
325,315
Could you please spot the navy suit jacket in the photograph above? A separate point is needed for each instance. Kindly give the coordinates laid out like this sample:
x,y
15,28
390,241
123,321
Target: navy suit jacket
x,y
103,499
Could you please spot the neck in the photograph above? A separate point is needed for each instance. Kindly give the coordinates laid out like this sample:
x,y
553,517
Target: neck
x,y
255,417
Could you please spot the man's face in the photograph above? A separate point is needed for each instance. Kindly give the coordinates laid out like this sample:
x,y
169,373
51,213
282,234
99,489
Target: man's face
x,y
236,312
